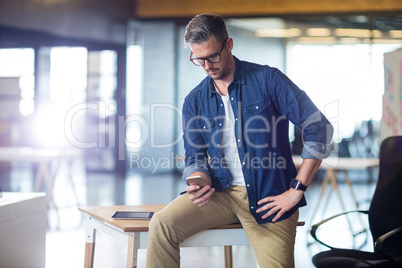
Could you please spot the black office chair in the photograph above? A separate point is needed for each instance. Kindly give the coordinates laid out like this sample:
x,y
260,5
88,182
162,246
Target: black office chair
x,y
384,217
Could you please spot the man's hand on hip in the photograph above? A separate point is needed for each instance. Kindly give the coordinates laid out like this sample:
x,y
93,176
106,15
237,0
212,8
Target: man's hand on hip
x,y
280,203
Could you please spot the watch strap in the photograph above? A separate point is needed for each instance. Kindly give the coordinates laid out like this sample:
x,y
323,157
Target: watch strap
x,y
297,185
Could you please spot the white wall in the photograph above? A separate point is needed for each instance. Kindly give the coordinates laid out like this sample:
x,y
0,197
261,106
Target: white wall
x,y
266,51
157,98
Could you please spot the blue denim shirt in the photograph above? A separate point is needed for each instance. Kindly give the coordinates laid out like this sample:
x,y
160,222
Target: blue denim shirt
x,y
263,99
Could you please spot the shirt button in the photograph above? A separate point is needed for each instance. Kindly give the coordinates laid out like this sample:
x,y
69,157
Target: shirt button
x,y
257,107
221,104
237,119
252,207
204,127
218,145
238,140
220,124
248,185
232,98
244,163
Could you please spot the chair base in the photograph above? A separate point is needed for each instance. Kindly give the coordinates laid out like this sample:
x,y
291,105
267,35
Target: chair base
x,y
345,258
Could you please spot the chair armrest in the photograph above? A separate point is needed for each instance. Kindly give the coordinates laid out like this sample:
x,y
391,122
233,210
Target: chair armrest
x,y
314,228
380,241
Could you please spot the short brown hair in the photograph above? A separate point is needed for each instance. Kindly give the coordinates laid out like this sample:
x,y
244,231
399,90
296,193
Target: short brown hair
x,y
203,26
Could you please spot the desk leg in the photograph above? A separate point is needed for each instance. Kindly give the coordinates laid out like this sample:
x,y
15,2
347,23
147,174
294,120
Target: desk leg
x,y
71,178
89,244
89,255
334,184
228,257
349,183
323,187
347,180
44,172
332,175
132,249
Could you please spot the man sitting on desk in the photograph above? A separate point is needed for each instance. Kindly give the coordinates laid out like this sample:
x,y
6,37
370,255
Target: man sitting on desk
x,y
235,125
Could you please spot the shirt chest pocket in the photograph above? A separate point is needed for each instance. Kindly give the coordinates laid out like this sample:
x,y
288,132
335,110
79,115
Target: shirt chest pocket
x,y
258,123
259,115
259,107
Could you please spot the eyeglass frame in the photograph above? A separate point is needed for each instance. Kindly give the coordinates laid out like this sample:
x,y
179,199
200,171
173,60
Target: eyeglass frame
x,y
207,58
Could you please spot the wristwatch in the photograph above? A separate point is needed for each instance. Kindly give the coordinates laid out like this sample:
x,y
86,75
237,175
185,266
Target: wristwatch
x,y
297,185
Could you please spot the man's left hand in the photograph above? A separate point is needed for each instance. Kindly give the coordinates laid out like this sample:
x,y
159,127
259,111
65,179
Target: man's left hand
x,y
280,203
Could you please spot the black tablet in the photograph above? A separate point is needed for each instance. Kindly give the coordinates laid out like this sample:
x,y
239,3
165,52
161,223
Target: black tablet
x,y
132,215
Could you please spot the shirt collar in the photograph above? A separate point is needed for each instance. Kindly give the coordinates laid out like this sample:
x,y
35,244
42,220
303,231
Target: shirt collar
x,y
238,77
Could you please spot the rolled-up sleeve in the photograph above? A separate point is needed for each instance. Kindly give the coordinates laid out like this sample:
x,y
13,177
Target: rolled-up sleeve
x,y
301,111
318,131
316,150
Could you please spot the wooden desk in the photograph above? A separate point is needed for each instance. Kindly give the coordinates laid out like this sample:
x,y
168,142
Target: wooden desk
x,y
134,233
44,158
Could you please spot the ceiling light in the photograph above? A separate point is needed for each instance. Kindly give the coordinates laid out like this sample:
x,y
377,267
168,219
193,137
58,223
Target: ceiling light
x,y
316,40
349,41
318,32
362,33
254,24
395,34
284,33
382,41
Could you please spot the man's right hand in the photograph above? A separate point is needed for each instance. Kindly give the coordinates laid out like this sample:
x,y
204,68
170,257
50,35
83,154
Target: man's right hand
x,y
201,195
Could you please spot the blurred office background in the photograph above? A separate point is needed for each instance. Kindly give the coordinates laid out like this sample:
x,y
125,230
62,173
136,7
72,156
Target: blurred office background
x,y
109,78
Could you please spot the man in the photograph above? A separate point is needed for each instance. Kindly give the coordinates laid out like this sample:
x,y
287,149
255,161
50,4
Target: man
x,y
235,125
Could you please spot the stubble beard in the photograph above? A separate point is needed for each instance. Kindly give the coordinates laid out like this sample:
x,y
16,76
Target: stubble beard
x,y
225,71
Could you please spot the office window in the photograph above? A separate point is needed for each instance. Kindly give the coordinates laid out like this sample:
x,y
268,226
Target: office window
x,y
68,74
62,84
17,80
134,95
101,122
346,82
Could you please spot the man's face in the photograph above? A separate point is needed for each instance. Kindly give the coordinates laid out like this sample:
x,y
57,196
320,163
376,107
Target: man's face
x,y
209,48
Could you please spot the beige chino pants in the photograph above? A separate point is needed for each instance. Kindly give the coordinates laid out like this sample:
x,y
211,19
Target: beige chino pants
x,y
272,243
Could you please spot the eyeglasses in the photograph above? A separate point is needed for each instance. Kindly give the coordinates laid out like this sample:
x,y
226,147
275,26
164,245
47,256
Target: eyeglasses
x,y
214,58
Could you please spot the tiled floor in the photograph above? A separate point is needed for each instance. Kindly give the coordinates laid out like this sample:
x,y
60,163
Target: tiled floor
x,y
66,236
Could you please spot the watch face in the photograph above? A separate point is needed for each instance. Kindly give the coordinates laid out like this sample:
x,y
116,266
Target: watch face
x,y
297,185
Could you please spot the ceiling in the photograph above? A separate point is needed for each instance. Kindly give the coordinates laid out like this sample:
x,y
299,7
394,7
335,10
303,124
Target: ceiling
x,y
380,24
105,19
